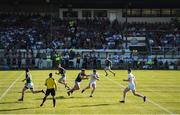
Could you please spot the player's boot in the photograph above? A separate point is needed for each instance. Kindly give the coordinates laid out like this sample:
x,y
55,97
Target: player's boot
x,y
90,96
41,105
68,93
144,98
54,102
68,88
43,91
114,74
82,91
20,99
122,101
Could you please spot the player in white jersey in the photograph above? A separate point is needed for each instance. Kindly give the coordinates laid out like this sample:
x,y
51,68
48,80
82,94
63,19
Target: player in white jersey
x,y
92,83
131,86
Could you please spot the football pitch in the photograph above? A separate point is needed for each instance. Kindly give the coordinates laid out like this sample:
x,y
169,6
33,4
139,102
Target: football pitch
x,y
162,89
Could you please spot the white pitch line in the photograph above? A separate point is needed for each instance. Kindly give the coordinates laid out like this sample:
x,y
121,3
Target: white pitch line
x,y
161,107
12,84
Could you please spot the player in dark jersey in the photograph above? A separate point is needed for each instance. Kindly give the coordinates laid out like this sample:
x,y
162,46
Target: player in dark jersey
x,y
62,80
108,64
28,85
81,76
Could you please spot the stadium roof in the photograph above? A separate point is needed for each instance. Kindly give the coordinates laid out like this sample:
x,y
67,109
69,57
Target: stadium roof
x,y
99,3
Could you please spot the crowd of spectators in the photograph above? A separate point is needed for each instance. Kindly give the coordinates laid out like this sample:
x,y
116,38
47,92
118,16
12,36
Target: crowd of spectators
x,y
16,59
40,32
43,32
158,34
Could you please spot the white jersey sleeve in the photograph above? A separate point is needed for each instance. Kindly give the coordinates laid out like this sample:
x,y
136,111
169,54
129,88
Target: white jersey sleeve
x,y
131,78
94,77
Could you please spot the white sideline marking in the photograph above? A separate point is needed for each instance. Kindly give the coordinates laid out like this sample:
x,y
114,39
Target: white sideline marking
x,y
10,86
161,107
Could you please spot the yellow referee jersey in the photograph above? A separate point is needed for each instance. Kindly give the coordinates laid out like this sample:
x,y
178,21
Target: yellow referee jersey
x,y
50,83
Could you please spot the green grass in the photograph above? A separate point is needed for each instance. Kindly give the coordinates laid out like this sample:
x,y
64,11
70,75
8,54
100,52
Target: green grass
x,y
162,89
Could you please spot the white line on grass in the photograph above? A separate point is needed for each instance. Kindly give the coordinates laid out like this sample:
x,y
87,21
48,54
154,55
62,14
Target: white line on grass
x,y
12,84
161,107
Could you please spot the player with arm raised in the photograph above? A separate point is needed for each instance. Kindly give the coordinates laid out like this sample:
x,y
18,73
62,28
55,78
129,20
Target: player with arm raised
x,y
131,86
81,76
108,64
92,83
62,80
28,85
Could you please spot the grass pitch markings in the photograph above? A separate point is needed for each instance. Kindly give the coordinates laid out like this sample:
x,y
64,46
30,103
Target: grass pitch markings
x,y
12,84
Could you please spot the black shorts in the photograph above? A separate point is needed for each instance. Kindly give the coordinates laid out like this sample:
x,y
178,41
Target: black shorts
x,y
50,91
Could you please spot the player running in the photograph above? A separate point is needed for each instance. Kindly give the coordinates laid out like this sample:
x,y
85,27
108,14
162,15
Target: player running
x,y
51,89
108,64
131,86
92,83
28,85
81,76
62,80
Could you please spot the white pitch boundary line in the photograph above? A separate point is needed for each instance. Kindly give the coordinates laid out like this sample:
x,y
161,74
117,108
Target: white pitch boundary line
x,y
161,107
12,84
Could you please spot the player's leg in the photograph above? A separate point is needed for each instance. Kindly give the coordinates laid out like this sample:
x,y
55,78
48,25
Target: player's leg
x,y
54,101
111,71
93,89
124,94
65,83
53,93
76,87
46,95
23,91
71,90
139,95
61,81
87,87
105,69
36,91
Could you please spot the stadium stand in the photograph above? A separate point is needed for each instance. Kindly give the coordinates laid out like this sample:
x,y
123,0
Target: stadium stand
x,y
41,40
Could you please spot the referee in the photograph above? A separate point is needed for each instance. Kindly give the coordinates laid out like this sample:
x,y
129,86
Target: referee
x,y
51,89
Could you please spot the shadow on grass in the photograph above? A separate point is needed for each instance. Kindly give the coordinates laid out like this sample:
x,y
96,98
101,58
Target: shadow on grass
x,y
10,102
60,97
92,105
25,92
16,109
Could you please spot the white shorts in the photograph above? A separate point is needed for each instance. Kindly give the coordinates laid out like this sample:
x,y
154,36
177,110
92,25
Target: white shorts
x,y
77,83
91,83
29,85
131,86
108,67
62,78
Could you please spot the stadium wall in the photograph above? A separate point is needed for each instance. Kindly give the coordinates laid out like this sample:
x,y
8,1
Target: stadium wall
x,y
116,56
113,14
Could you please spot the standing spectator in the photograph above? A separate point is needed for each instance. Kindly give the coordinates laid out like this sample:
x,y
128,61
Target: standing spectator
x,y
85,62
72,54
78,59
14,60
94,62
40,63
48,61
66,57
155,62
8,61
27,61
19,61
98,61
